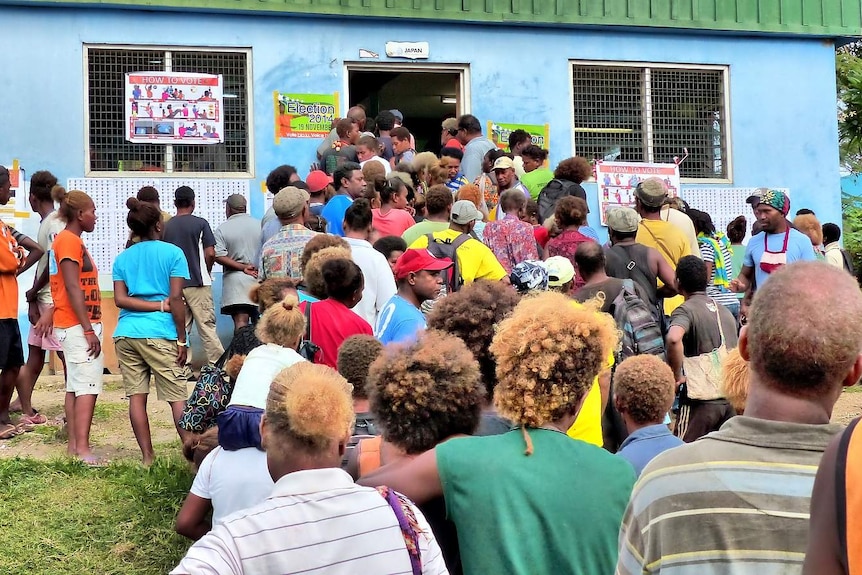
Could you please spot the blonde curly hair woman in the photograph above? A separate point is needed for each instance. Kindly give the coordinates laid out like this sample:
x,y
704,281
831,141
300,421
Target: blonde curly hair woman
x,y
353,529
548,352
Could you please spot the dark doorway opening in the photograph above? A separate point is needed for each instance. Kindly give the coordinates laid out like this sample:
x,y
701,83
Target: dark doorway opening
x,y
425,98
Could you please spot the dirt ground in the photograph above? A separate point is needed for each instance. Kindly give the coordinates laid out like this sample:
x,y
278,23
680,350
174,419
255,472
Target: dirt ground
x,y
111,434
113,439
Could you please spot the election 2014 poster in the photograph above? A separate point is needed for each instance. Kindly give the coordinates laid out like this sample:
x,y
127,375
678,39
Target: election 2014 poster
x,y
617,182
174,108
304,115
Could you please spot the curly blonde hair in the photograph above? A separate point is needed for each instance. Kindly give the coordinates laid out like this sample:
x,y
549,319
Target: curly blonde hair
x,y
734,380
318,243
810,226
644,387
282,324
311,405
472,193
426,391
271,291
313,272
472,314
548,353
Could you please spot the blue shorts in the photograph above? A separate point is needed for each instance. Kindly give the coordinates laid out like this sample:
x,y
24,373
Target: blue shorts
x,y
239,427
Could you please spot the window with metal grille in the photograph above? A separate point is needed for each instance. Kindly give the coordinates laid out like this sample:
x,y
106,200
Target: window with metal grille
x,y
109,153
652,113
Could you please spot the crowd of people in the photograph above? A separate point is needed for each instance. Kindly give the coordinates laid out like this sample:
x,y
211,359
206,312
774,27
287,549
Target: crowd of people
x,y
438,367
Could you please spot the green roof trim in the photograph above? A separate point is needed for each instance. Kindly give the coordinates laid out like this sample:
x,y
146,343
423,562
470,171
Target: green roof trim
x,y
824,18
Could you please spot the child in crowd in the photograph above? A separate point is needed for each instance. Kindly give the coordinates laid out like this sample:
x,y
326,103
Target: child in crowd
x,y
355,357
644,388
280,330
391,247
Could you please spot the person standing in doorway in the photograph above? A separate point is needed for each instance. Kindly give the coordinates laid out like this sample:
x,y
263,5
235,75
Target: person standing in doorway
x,y
39,298
76,318
195,238
475,146
235,249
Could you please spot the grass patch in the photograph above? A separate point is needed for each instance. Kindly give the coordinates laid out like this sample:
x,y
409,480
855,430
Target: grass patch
x,y
62,517
853,389
105,411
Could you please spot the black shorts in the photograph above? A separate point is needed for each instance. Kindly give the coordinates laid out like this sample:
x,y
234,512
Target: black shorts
x,y
11,350
251,310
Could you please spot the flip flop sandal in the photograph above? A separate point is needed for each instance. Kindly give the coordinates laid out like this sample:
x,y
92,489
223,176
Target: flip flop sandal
x,y
8,431
35,419
25,426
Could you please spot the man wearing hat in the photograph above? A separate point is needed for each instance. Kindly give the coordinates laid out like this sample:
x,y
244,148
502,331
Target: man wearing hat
x,y
475,260
655,232
281,255
504,169
775,245
236,250
417,274
194,237
629,259
561,274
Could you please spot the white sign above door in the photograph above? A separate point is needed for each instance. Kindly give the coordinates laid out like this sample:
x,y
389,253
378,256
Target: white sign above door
x,y
409,50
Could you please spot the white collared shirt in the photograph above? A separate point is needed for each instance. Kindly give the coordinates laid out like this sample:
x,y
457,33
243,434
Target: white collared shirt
x,y
315,522
379,281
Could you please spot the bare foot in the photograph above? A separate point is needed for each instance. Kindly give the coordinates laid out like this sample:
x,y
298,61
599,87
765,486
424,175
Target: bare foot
x,y
15,406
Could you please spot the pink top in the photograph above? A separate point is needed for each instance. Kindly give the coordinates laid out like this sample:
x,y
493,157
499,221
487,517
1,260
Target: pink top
x,y
393,223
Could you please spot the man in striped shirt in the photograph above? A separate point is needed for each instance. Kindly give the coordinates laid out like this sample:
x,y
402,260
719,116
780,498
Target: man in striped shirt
x,y
737,500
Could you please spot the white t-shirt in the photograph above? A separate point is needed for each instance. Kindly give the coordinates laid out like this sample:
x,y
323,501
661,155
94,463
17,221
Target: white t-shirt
x,y
48,230
380,161
379,281
233,480
261,366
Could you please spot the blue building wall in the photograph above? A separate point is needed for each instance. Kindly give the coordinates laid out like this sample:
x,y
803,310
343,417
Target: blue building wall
x,y
782,91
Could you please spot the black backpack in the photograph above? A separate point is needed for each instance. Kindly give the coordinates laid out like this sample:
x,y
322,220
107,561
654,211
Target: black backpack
x,y
446,249
553,192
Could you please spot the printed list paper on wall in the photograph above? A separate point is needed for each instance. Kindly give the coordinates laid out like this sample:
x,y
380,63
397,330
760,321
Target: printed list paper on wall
x,y
174,108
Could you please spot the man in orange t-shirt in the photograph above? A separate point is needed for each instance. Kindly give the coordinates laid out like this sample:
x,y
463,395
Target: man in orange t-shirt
x,y
11,351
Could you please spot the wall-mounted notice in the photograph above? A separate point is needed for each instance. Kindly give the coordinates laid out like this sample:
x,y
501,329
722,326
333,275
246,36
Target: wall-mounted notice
x,y
174,108
304,115
499,133
617,182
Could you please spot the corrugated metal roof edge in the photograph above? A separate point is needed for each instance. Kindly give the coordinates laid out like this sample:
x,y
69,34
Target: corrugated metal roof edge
x,y
154,6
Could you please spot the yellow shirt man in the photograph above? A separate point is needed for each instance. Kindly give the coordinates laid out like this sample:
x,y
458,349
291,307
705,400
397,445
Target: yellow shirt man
x,y
475,260
671,243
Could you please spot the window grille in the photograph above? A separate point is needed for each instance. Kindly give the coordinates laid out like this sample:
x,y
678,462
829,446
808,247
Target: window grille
x,y
650,114
108,151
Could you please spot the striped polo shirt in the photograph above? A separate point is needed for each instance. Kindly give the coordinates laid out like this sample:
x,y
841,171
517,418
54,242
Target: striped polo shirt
x,y
736,501
316,521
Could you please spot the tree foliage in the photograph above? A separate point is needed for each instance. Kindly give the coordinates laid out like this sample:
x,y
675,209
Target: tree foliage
x,y
848,68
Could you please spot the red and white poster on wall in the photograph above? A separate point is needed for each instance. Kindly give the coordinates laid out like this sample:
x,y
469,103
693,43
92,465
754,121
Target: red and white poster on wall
x,y
617,182
174,108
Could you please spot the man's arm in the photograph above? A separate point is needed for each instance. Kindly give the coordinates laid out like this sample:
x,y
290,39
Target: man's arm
x,y
743,281
824,556
664,272
209,258
34,253
675,350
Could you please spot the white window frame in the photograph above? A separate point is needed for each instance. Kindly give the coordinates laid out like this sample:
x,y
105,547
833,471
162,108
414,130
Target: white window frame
x,y
169,148
724,69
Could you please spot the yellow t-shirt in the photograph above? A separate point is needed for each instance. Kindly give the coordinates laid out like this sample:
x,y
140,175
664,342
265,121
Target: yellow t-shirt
x,y
475,260
588,426
671,243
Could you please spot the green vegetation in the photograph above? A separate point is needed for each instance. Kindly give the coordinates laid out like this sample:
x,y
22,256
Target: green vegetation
x,y
62,517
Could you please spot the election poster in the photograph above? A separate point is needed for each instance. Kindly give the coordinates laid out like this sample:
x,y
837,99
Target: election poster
x,y
499,134
304,115
174,108
617,182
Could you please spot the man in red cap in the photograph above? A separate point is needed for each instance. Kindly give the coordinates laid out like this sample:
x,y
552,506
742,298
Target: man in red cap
x,y
317,182
417,274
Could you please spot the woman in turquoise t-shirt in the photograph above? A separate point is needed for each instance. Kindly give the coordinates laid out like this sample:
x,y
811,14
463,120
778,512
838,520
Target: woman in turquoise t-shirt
x,y
150,338
532,500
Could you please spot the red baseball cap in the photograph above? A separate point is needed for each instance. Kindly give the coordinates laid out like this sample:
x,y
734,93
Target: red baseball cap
x,y
413,261
317,180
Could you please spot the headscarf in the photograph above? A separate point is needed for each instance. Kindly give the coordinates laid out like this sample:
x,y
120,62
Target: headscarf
x,y
777,200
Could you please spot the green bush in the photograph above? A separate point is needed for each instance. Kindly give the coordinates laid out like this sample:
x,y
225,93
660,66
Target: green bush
x,y
60,517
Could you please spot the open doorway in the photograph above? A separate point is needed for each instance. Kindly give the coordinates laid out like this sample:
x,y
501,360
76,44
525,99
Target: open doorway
x,y
425,95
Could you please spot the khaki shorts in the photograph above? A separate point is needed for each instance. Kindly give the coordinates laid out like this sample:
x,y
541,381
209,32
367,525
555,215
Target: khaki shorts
x,y
83,373
141,358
